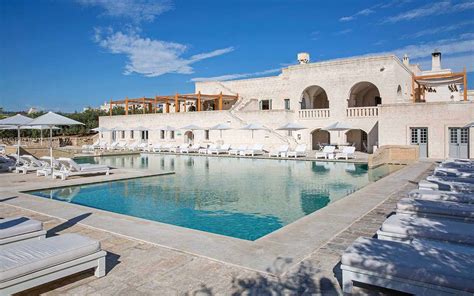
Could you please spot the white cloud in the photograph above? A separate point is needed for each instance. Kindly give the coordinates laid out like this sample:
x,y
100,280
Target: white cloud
x,y
444,7
136,10
150,57
373,9
363,12
343,32
433,31
456,63
234,76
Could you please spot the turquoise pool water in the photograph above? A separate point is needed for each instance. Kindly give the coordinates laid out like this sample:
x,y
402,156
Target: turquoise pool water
x,y
238,197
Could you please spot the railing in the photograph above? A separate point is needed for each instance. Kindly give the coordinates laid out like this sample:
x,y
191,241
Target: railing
x,y
313,113
362,112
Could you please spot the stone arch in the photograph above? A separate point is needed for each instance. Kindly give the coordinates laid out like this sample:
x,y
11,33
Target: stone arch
x,y
314,97
364,94
399,90
189,137
358,138
318,137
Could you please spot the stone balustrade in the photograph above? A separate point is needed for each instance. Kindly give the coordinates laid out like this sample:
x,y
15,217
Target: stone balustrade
x,y
362,112
313,113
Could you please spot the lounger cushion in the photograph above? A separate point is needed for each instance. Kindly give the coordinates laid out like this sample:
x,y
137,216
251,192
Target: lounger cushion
x,y
18,225
436,207
440,267
430,228
31,256
441,195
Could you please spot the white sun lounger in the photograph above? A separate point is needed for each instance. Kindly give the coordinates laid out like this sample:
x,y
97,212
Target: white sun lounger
x,y
440,209
452,172
347,152
156,148
71,168
29,164
467,180
257,149
193,149
16,229
438,184
220,150
283,149
205,150
133,146
300,150
406,228
32,263
178,149
237,150
143,147
166,148
439,195
413,269
327,150
46,170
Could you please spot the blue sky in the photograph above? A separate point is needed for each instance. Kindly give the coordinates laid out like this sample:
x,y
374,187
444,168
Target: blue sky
x,y
65,55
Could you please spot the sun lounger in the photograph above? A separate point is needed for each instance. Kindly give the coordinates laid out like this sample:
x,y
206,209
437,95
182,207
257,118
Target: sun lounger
x,y
347,152
438,195
205,150
29,264
156,148
143,147
7,164
406,228
70,168
438,184
257,149
439,209
178,149
452,172
193,149
29,164
327,150
282,150
237,150
219,150
133,146
300,150
16,229
451,179
407,268
112,146
46,170
166,148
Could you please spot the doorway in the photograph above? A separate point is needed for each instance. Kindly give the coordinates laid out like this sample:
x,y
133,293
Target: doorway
x,y
458,142
419,136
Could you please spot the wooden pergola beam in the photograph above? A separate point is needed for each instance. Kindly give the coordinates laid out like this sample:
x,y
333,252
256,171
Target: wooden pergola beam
x,y
448,75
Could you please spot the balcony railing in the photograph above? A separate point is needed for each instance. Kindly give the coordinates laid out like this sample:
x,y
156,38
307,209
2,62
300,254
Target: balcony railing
x,y
313,113
362,112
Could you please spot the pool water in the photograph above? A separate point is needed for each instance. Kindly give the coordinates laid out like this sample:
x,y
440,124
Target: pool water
x,y
238,197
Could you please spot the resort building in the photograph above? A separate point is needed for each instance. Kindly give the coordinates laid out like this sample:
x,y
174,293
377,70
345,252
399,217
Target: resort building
x,y
384,101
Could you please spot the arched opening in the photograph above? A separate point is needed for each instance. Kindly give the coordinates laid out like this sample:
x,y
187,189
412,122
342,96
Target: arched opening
x,y
314,97
189,137
358,139
364,94
320,138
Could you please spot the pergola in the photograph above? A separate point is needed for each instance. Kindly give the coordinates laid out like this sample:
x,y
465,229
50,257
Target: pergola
x,y
425,82
151,104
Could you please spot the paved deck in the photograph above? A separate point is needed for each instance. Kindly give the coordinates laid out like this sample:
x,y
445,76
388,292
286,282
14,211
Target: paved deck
x,y
301,258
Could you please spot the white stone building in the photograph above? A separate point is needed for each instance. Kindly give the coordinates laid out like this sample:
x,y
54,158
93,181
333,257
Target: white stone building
x,y
384,100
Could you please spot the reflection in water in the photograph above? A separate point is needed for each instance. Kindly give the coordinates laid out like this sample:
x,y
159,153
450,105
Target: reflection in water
x,y
238,197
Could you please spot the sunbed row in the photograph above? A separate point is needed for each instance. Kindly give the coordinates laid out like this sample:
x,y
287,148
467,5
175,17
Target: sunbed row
x,y
118,145
29,259
62,167
427,247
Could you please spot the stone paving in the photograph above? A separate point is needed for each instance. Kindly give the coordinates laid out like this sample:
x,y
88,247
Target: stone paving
x,y
139,268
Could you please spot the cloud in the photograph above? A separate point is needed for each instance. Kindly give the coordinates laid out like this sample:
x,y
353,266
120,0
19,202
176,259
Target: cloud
x,y
444,7
433,31
363,12
234,76
315,35
136,10
151,57
343,32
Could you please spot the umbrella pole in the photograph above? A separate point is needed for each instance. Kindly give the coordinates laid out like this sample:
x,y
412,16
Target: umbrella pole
x,y
51,149
41,135
18,148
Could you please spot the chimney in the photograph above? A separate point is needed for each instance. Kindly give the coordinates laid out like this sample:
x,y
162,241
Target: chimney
x,y
303,58
436,61
406,60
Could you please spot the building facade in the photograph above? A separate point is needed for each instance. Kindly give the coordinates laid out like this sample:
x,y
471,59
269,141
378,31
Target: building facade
x,y
384,101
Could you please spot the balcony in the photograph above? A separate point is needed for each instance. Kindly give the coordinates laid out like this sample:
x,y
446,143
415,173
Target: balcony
x,y
358,112
313,113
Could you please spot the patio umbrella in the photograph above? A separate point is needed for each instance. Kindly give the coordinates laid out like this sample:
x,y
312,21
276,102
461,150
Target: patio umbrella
x,y
167,128
290,127
140,128
16,121
25,127
192,127
221,127
100,130
338,126
253,127
51,119
469,125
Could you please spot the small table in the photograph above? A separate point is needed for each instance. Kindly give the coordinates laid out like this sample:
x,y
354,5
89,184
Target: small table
x,y
330,155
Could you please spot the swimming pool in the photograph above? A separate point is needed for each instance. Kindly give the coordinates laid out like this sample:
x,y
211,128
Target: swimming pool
x,y
238,197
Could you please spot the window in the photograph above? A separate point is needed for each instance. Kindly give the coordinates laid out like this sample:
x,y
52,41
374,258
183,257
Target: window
x,y
123,134
114,136
131,134
206,134
162,135
172,135
144,135
265,104
287,104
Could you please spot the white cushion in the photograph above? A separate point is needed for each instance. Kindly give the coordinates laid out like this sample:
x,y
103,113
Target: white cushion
x,y
436,207
31,256
18,225
435,266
